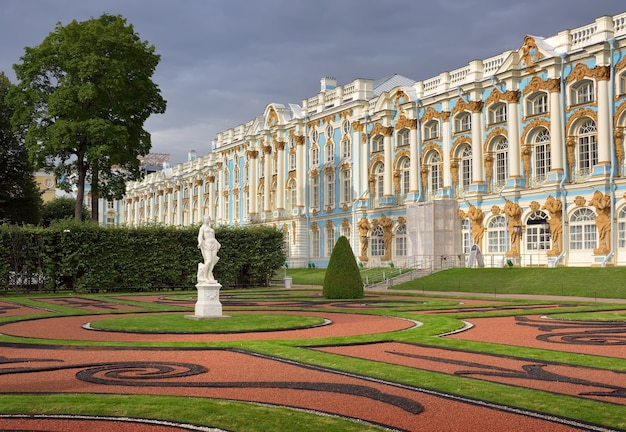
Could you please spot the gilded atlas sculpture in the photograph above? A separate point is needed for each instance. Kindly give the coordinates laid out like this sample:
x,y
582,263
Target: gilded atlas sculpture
x,y
208,304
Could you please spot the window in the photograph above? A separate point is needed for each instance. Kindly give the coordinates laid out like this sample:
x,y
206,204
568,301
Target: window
x,y
291,195
587,147
226,208
537,232
315,192
466,235
110,205
621,228
497,114
583,230
236,206
378,143
502,162
259,201
403,138
346,186
542,156
377,243
287,243
431,130
345,231
346,149
435,177
582,93
315,155
537,104
330,240
401,241
345,127
330,131
329,149
404,171
236,176
246,173
463,122
329,193
292,161
497,235
275,164
315,243
315,135
466,168
379,187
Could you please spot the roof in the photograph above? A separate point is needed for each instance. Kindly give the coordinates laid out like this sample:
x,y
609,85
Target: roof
x,y
390,82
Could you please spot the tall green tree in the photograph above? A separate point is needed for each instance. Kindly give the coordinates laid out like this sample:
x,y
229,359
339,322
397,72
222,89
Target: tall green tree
x,y
20,200
343,278
82,99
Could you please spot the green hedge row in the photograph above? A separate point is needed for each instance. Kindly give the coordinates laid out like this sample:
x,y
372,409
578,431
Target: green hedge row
x,y
85,257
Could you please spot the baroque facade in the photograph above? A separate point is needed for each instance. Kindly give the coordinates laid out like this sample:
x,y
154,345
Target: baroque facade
x,y
528,145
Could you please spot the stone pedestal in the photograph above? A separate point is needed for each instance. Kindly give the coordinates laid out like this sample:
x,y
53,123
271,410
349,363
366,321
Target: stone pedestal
x,y
208,305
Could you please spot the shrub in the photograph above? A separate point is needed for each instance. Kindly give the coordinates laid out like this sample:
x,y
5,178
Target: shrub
x,y
342,279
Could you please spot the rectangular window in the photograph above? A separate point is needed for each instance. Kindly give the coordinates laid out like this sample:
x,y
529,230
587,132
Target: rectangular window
x,y
315,244
576,237
315,192
329,193
346,187
330,241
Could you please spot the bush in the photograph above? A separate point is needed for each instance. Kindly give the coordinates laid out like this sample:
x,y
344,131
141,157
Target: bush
x,y
342,279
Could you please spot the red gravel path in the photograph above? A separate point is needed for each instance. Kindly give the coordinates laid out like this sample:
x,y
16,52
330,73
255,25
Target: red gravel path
x,y
226,374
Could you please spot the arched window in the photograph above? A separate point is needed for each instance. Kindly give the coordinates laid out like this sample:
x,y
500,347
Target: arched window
x,y
582,92
329,149
431,130
377,243
497,235
378,143
497,113
403,170
236,176
542,156
435,173
501,162
537,104
401,240
379,187
537,231
587,148
330,240
463,122
466,235
582,229
291,195
403,138
621,228
315,243
466,168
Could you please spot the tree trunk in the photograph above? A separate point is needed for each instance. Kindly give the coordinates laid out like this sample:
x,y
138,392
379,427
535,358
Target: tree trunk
x,y
81,168
95,191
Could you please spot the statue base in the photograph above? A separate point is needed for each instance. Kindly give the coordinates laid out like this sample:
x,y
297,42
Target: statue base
x,y
208,305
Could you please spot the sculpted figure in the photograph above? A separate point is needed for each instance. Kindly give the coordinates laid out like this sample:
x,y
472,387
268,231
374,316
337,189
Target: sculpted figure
x,y
478,229
514,213
387,223
555,209
602,203
209,246
364,227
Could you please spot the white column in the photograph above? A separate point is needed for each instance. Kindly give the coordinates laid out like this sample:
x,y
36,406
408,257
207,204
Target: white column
x,y
267,174
604,119
477,142
388,155
280,176
414,163
512,98
556,147
300,171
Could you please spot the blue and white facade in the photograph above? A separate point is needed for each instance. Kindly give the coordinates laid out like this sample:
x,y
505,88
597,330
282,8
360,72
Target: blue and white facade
x,y
524,151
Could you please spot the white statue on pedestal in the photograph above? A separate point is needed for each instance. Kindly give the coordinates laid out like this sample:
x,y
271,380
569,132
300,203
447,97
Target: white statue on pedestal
x,y
209,246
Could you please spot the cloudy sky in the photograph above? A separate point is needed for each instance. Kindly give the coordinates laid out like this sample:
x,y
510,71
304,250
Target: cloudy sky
x,y
223,61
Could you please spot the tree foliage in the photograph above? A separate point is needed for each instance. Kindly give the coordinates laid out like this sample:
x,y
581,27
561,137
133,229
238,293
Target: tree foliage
x,y
60,208
342,279
20,200
82,99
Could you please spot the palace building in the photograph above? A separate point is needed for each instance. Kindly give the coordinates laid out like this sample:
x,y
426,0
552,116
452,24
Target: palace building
x,y
518,158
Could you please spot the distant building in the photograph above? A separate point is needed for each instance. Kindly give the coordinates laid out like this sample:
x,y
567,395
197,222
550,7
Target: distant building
x,y
519,157
47,185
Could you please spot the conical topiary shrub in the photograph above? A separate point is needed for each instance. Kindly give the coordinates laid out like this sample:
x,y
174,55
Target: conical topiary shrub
x,y
342,279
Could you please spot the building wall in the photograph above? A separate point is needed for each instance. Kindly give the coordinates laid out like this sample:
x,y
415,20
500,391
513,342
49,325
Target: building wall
x,y
529,143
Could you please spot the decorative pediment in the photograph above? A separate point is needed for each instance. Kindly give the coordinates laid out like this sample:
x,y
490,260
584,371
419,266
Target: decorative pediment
x,y
531,53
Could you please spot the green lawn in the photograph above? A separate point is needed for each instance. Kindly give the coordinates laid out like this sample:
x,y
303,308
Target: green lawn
x,y
607,282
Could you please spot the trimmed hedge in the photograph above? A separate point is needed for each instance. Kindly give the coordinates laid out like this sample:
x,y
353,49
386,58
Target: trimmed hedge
x,y
342,279
83,256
